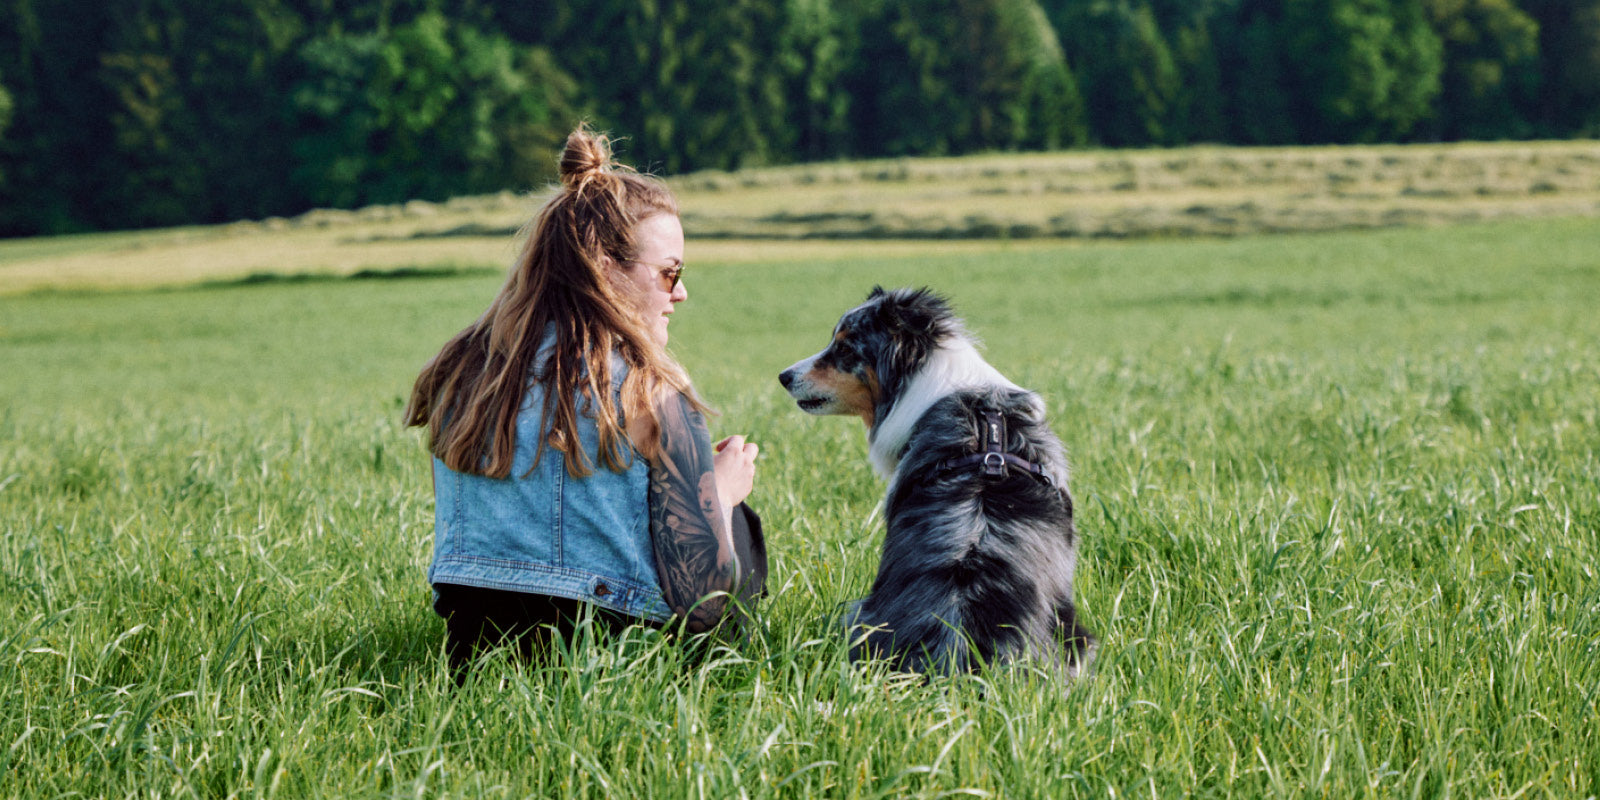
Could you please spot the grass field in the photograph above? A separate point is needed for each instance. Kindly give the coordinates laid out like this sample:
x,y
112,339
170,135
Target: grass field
x,y
1339,496
893,207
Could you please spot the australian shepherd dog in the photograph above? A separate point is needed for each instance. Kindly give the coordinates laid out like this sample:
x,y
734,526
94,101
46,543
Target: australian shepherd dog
x,y
978,554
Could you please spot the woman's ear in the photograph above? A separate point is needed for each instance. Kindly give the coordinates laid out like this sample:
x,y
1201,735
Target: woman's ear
x,y
616,276
613,271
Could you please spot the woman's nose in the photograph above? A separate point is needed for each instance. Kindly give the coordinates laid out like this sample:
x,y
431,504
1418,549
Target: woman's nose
x,y
680,292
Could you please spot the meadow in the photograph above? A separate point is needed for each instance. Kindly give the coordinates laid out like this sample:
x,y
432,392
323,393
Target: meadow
x,y
1338,491
897,206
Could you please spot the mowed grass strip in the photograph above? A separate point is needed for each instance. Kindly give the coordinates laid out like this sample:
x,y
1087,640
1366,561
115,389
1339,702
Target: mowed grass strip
x,y
883,208
1338,493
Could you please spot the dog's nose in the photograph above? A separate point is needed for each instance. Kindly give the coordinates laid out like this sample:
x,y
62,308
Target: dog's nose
x,y
786,377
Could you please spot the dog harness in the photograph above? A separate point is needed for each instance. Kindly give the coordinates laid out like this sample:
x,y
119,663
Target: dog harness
x,y
993,461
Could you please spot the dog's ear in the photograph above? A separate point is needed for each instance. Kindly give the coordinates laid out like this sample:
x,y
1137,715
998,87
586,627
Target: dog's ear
x,y
900,310
920,311
889,309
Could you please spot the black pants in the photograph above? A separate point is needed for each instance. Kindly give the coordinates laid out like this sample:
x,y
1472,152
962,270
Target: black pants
x,y
478,619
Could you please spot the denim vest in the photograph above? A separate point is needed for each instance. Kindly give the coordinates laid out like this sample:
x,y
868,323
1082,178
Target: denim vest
x,y
546,532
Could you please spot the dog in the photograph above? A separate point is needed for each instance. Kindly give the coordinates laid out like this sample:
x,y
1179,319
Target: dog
x,y
979,549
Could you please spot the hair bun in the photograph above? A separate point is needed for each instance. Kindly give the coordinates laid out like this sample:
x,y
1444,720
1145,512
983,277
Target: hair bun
x,y
586,156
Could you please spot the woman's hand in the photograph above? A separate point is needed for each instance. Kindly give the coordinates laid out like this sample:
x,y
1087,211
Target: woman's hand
x,y
735,467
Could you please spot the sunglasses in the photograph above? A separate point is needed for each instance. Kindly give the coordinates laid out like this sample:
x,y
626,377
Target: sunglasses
x,y
669,277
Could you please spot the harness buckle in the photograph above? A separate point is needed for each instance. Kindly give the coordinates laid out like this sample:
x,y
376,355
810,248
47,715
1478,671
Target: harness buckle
x,y
994,464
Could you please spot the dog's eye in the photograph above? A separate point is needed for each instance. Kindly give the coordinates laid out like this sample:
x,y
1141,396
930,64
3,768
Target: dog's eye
x,y
839,355
847,355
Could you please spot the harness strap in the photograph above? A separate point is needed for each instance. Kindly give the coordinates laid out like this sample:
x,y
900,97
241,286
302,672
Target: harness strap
x,y
994,459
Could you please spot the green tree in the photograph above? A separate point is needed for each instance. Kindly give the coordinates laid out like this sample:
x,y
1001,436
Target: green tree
x,y
6,104
5,107
1051,110
425,110
815,47
728,102
695,84
1258,85
1365,70
1568,97
154,178
1490,52
960,76
1129,77
235,60
54,155
336,121
157,105
1198,109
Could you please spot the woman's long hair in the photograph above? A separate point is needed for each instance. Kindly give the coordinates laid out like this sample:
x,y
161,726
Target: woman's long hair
x,y
470,393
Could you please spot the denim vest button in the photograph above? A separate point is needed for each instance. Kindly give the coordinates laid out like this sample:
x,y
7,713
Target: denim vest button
x,y
601,590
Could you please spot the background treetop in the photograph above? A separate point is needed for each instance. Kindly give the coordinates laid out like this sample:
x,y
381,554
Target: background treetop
x,y
165,112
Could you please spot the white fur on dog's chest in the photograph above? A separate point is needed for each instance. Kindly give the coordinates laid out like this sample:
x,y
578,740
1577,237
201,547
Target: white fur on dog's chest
x,y
955,367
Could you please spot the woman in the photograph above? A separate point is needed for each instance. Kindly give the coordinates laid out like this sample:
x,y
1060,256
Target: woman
x,y
573,474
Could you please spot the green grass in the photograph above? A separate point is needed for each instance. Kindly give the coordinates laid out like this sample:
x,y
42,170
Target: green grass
x,y
861,208
1339,499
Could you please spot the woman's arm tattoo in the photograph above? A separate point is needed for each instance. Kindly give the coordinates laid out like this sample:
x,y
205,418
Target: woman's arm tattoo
x,y
694,551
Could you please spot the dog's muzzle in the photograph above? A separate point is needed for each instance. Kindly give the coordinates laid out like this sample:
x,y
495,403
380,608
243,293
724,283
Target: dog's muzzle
x,y
797,388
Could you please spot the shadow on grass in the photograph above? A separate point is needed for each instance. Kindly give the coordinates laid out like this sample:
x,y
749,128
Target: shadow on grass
x,y
383,649
397,273
469,229
272,279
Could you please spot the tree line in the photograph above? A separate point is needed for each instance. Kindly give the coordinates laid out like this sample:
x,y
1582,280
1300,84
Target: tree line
x,y
164,112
